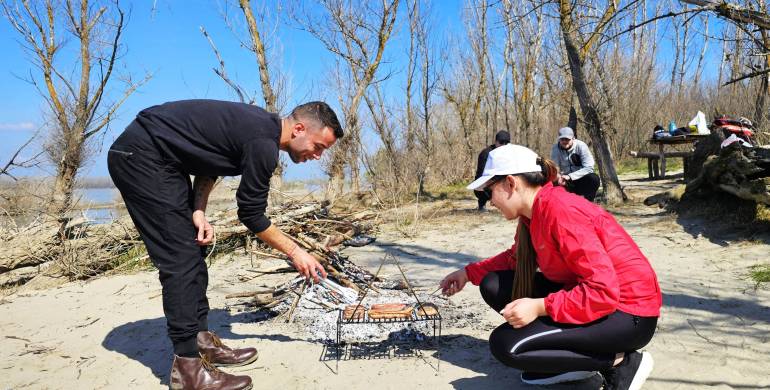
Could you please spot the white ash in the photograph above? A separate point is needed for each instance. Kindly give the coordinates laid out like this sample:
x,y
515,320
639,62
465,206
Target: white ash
x,y
283,306
321,323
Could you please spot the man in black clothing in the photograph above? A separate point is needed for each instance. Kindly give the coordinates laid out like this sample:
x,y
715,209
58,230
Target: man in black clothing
x,y
151,164
501,138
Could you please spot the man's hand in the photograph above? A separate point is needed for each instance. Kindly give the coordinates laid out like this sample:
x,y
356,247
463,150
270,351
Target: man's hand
x,y
454,282
563,179
523,311
302,261
205,231
306,264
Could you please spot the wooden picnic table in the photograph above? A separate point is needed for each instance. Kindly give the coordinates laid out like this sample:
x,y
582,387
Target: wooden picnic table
x,y
673,140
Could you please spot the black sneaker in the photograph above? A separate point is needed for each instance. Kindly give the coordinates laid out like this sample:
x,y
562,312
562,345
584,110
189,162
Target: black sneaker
x,y
630,374
537,378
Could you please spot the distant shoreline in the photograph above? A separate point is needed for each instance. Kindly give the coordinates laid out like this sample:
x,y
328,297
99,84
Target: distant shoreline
x,y
83,183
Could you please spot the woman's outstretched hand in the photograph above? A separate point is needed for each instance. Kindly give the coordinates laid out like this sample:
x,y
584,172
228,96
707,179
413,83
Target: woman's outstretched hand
x,y
523,311
454,282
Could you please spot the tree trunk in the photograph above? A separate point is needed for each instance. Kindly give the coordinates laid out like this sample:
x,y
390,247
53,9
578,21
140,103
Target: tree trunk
x,y
336,172
760,109
761,102
572,122
66,173
703,149
276,181
613,191
259,50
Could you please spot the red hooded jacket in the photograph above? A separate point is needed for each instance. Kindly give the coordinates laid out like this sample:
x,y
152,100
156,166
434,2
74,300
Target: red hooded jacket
x,y
581,246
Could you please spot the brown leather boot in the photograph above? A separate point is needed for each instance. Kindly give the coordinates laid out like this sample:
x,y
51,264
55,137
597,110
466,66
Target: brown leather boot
x,y
221,355
198,373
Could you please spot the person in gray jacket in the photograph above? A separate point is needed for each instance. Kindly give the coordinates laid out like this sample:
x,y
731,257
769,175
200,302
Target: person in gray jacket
x,y
576,165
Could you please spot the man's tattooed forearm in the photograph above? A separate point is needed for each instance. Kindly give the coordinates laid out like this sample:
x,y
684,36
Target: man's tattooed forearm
x,y
203,186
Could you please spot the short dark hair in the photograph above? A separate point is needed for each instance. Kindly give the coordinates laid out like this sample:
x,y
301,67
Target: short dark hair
x,y
320,112
503,137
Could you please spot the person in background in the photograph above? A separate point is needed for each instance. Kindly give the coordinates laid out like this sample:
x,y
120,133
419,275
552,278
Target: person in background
x,y
576,293
501,138
576,165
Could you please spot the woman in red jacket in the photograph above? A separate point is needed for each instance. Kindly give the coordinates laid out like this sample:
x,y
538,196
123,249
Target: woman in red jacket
x,y
595,300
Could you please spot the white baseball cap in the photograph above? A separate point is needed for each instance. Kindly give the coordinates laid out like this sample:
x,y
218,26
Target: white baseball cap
x,y
507,160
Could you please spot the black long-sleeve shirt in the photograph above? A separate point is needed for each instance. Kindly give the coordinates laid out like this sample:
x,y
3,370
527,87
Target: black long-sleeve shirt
x,y
482,160
218,138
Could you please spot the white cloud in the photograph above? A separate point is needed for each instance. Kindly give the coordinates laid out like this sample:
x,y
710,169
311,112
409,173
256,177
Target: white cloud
x,y
20,126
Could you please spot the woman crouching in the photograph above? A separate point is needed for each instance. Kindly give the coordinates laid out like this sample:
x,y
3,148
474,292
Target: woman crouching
x,y
595,300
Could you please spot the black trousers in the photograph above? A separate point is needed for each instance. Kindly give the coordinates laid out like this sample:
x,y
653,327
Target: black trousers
x,y
586,186
546,346
482,197
159,198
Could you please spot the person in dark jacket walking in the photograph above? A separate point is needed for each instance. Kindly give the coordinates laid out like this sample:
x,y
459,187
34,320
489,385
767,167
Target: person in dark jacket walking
x,y
501,138
595,300
151,163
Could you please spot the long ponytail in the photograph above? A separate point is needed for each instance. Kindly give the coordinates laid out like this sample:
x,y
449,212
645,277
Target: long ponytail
x,y
548,173
526,257
526,264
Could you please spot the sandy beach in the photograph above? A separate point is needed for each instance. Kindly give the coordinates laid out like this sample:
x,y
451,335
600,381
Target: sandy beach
x,y
109,333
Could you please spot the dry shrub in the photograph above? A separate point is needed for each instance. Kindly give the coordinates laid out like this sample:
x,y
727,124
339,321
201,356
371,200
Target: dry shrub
x,y
23,197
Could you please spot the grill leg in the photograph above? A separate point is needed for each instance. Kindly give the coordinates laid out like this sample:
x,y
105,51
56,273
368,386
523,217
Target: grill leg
x,y
339,332
438,348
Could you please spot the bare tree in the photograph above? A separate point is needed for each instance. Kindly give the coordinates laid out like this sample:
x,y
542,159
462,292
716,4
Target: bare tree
x,y
357,32
384,126
465,91
271,83
268,90
578,49
17,162
525,27
735,12
259,50
413,10
702,56
77,96
756,14
429,74
681,58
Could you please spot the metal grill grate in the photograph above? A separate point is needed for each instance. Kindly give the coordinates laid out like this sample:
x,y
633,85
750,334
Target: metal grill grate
x,y
414,317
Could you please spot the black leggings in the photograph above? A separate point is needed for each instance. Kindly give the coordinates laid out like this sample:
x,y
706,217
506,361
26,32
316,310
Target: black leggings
x,y
546,346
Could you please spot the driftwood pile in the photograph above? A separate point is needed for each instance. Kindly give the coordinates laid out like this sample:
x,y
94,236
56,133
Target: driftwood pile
x,y
76,250
79,250
740,171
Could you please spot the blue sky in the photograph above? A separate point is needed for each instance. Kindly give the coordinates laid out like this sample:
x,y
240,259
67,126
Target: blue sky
x,y
169,44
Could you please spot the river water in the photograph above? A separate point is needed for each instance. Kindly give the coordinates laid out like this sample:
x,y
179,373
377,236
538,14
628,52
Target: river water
x,y
98,204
